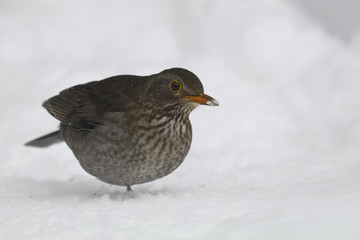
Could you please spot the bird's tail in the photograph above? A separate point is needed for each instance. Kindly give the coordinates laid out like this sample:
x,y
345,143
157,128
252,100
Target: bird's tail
x,y
46,140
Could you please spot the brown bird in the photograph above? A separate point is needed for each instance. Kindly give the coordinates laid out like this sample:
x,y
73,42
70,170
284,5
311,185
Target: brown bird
x,y
127,129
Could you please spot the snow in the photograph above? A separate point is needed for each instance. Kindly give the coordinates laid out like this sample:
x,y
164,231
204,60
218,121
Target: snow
x,y
278,159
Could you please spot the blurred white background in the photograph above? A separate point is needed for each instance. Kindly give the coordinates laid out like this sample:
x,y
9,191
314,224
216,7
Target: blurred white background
x,y
279,159
339,18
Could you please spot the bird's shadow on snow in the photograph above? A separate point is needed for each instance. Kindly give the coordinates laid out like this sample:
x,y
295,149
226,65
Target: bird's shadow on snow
x,y
84,189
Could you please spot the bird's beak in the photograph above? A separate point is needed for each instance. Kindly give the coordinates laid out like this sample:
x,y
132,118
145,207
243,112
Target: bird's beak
x,y
203,99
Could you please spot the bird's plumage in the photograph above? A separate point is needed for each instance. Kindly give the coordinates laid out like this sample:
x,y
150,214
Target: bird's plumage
x,y
128,129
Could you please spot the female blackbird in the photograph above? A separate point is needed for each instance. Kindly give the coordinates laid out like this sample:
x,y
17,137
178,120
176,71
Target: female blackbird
x,y
126,129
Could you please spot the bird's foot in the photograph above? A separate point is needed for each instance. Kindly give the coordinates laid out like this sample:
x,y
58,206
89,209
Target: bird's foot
x,y
128,188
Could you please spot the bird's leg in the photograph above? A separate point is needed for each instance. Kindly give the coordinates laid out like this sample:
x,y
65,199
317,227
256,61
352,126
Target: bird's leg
x,y
128,188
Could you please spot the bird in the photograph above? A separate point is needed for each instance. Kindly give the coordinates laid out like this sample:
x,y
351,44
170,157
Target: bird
x,y
128,129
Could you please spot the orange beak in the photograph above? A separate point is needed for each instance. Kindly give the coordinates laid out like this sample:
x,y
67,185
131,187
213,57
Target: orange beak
x,y
203,99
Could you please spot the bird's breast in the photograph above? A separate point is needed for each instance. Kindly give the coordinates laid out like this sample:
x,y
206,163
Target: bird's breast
x,y
163,137
125,152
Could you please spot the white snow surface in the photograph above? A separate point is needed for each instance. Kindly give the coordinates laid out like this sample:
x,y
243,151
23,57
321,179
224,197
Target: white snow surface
x,y
278,159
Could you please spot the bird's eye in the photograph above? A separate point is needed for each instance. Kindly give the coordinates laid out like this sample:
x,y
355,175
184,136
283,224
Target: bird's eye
x,y
175,86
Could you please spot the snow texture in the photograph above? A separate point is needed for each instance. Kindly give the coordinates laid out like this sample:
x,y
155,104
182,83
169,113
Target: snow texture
x,y
278,159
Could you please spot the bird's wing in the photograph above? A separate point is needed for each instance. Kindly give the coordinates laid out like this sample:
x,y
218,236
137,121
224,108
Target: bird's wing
x,y
83,106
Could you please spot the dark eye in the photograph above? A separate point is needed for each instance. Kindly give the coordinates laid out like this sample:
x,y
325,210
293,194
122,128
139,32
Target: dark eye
x,y
175,86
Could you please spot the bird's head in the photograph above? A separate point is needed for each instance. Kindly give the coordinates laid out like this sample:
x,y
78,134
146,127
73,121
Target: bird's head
x,y
177,86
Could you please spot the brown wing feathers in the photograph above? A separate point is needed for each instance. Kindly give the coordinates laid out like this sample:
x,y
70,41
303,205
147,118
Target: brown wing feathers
x,y
83,106
74,107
